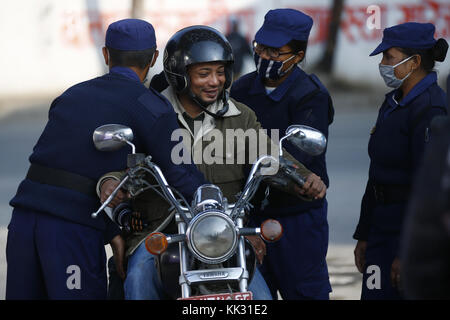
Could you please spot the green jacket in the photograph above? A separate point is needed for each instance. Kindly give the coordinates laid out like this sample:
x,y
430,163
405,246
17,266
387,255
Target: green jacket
x,y
230,159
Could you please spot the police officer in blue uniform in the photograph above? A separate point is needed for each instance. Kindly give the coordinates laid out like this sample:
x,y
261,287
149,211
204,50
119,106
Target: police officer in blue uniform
x,y
448,91
282,94
396,147
55,249
425,241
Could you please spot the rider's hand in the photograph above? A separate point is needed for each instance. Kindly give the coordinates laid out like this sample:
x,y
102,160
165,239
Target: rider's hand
x,y
313,187
360,254
118,249
107,188
260,247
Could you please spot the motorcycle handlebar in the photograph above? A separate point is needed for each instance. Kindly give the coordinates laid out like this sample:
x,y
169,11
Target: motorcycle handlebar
x,y
289,168
297,178
246,194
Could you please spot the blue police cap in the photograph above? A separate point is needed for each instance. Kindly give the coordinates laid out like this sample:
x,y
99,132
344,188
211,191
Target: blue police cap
x,y
283,25
130,35
410,35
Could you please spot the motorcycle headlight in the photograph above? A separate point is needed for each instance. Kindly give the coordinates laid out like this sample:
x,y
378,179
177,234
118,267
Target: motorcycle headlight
x,y
212,237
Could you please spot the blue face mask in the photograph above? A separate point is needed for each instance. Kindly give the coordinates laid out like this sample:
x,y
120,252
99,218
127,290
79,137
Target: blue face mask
x,y
270,69
387,72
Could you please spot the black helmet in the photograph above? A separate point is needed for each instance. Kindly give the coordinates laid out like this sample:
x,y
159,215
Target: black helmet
x,y
195,44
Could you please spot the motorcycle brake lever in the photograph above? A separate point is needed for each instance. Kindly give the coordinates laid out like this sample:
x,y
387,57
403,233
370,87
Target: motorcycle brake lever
x,y
111,197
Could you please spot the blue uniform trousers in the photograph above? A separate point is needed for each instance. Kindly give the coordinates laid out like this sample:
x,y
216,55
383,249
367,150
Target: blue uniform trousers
x,y
380,253
296,264
382,249
52,258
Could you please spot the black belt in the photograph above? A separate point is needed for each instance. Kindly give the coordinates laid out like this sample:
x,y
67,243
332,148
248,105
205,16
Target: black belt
x,y
388,193
61,178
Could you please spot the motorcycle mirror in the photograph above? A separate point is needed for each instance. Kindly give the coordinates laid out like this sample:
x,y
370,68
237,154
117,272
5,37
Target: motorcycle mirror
x,y
307,139
111,137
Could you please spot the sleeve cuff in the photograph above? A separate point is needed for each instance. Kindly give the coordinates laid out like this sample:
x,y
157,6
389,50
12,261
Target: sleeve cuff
x,y
361,234
103,180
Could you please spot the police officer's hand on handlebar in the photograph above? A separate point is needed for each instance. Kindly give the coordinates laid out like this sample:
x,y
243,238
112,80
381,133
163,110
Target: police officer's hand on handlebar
x,y
313,187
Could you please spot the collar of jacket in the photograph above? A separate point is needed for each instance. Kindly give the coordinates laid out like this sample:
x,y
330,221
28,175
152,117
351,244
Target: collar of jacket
x,y
417,90
258,87
209,122
126,72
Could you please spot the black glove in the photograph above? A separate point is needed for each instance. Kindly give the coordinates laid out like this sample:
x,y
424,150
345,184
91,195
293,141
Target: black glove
x,y
130,221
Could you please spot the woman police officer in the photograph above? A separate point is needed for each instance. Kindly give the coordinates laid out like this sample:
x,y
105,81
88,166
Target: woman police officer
x,y
282,94
396,146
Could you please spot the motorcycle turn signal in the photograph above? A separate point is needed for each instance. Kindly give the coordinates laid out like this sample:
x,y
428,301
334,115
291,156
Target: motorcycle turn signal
x,y
271,230
156,243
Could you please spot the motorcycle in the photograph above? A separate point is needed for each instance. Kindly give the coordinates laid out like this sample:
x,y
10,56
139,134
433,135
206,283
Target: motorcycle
x,y
209,258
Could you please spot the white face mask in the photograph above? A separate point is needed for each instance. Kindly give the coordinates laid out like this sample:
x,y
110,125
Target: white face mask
x,y
147,79
388,74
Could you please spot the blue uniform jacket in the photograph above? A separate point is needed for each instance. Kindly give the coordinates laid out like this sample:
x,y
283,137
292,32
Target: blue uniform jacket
x,y
396,147
66,143
300,99
448,91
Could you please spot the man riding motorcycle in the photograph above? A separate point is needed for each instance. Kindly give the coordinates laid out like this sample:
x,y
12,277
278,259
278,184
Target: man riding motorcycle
x,y
198,64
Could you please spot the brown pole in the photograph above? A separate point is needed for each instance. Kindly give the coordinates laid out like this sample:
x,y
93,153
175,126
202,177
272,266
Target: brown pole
x,y
326,63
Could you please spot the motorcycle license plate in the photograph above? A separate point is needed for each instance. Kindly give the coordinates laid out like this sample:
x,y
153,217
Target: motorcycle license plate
x,y
223,296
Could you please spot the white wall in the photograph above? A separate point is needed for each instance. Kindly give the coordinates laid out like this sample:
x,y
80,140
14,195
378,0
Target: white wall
x,y
356,41
48,45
